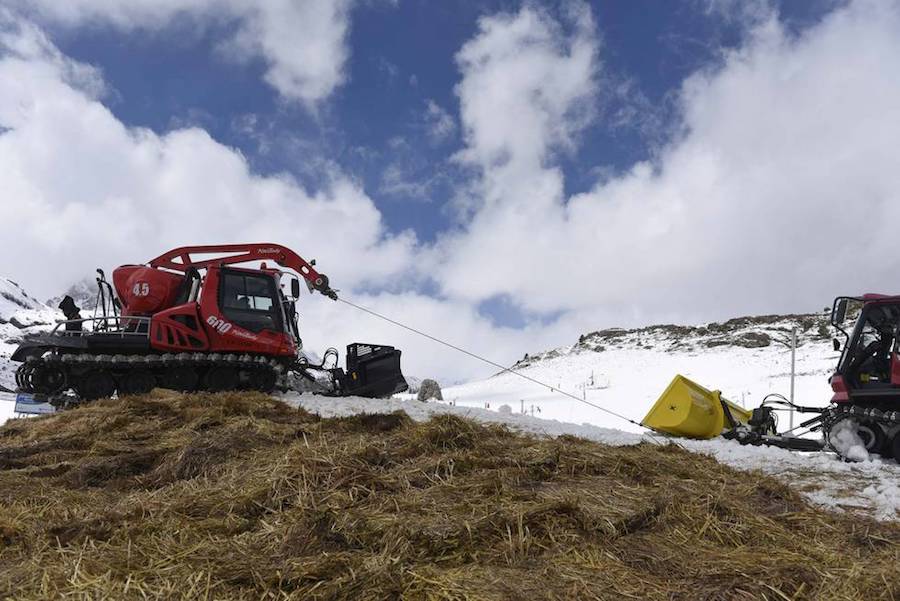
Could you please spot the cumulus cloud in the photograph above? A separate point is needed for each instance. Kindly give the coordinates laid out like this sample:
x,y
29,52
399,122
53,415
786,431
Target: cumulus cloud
x,y
302,43
79,187
528,87
782,190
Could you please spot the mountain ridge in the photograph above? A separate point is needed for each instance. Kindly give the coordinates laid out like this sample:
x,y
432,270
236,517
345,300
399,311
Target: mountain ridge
x,y
752,331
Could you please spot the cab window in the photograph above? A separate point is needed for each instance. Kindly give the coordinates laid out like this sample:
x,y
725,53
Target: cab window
x,y
247,300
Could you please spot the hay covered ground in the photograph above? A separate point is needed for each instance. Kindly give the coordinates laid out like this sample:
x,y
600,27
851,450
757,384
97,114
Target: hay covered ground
x,y
238,496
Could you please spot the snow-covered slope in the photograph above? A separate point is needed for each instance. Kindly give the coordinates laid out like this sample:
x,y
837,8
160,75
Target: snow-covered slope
x,y
625,371
13,298
20,314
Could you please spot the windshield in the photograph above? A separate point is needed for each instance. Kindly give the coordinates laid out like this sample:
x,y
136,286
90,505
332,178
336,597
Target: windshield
x,y
873,336
250,301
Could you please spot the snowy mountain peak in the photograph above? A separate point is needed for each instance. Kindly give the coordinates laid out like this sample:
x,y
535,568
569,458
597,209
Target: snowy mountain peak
x,y
83,292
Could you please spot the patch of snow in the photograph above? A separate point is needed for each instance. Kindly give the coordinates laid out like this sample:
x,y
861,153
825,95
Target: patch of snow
x,y
337,407
628,380
846,440
884,497
822,477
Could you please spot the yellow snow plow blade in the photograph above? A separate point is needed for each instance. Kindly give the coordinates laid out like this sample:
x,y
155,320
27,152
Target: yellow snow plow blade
x,y
690,410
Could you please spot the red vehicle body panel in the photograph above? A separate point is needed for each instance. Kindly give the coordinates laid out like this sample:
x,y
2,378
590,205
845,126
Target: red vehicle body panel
x,y
179,329
895,369
144,290
840,389
194,326
225,336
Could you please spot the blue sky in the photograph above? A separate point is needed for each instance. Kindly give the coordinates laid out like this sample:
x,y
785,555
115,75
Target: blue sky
x,y
505,174
402,57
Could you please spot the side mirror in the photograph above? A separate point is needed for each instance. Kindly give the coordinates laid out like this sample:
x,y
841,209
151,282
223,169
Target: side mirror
x,y
836,344
840,311
295,288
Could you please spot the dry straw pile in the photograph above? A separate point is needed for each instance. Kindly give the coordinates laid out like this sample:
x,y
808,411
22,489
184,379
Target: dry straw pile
x,y
238,496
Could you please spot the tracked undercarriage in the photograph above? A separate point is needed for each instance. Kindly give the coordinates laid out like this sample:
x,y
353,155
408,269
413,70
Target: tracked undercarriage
x,y
99,357
93,376
877,428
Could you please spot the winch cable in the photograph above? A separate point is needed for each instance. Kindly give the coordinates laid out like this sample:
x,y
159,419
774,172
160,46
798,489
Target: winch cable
x,y
503,368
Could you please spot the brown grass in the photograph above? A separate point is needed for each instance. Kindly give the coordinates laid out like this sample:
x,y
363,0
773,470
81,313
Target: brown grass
x,y
237,496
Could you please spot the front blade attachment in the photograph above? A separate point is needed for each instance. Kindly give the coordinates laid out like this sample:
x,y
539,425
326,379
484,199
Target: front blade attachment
x,y
373,371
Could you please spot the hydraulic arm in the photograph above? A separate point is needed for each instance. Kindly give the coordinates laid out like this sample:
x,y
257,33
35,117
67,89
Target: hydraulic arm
x,y
180,259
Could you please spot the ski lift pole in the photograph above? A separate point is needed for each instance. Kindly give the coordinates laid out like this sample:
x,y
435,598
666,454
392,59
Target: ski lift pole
x,y
793,371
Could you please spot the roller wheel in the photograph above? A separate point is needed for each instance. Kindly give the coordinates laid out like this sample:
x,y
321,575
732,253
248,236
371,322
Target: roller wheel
x,y
219,379
96,384
184,379
48,379
895,445
263,380
872,435
137,382
23,377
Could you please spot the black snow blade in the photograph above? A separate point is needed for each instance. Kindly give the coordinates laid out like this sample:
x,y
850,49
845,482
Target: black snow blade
x,y
373,370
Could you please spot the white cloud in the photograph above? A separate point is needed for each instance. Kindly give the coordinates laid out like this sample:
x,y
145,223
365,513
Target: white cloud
x,y
528,89
527,86
395,181
454,321
303,43
79,187
783,190
26,41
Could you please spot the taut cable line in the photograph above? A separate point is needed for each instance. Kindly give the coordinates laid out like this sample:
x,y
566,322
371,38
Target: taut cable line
x,y
503,368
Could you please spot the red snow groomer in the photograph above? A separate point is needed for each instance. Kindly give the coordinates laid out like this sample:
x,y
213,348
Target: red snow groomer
x,y
191,319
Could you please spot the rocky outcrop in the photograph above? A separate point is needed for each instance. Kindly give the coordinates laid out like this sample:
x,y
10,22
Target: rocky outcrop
x,y
428,390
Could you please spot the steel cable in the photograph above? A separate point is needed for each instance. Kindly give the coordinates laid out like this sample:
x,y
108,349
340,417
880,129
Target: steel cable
x,y
503,368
